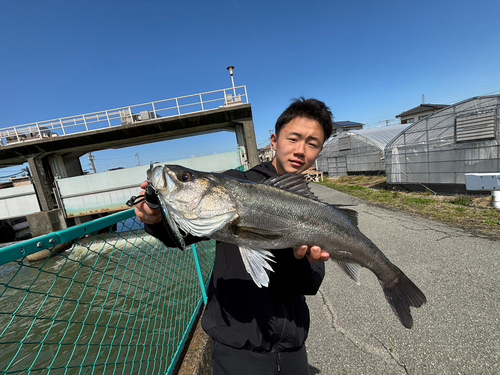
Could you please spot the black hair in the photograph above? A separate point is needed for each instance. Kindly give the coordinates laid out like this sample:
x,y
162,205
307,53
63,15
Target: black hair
x,y
312,109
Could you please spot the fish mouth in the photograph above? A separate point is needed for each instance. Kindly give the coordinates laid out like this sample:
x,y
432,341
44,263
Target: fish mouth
x,y
158,178
154,175
169,180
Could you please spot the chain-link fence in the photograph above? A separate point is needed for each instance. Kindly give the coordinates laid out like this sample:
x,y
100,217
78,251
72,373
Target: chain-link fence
x,y
117,301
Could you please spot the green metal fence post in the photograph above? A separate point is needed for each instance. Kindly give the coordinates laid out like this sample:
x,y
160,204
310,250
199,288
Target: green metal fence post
x,y
200,275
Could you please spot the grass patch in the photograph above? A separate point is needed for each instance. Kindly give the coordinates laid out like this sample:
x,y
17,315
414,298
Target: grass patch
x,y
471,213
492,222
462,200
417,200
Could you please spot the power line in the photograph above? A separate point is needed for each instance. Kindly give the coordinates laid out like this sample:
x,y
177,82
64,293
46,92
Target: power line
x,y
14,174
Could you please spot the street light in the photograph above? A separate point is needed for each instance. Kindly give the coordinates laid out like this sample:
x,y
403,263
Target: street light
x,y
231,72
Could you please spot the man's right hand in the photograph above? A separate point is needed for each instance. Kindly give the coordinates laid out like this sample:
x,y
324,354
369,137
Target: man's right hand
x,y
145,213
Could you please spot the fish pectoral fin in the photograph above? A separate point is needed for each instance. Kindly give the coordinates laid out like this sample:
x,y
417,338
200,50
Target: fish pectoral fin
x,y
256,264
253,233
353,270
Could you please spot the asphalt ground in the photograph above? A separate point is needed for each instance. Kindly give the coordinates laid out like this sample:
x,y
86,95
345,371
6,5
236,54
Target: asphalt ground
x,y
353,329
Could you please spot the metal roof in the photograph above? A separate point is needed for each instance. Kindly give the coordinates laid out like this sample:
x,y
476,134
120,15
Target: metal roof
x,y
423,108
347,123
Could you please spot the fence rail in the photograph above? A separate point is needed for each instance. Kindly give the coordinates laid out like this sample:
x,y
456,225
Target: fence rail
x,y
124,116
117,301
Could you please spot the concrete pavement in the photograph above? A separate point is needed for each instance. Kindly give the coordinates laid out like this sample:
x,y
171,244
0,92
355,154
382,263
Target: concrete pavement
x,y
354,331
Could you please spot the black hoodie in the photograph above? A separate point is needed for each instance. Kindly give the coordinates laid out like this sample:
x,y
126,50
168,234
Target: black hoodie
x,y
242,315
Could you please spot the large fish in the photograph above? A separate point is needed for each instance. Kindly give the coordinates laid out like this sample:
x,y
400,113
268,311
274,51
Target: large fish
x,y
276,214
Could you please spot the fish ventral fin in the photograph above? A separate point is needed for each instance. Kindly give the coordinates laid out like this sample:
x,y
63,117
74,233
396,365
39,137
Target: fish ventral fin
x,y
256,264
353,270
293,183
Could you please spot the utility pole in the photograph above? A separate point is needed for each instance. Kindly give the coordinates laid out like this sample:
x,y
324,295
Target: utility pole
x,y
423,98
91,158
138,160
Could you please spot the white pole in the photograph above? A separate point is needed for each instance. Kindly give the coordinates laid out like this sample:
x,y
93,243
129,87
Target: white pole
x,y
231,72
496,198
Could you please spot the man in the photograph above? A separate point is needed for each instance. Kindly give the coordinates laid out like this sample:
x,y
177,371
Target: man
x,y
263,330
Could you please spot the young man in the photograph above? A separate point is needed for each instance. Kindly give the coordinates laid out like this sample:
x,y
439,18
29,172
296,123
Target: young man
x,y
263,330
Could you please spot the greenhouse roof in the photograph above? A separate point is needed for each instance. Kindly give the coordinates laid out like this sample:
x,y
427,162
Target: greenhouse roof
x,y
380,136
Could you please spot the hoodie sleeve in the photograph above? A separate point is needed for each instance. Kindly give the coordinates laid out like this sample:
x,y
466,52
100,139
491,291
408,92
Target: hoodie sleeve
x,y
296,275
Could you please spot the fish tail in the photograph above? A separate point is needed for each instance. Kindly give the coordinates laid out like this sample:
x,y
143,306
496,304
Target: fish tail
x,y
401,295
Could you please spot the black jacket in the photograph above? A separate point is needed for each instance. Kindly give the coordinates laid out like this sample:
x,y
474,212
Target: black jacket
x,y
244,316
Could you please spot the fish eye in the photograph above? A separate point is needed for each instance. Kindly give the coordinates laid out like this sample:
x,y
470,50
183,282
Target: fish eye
x,y
185,177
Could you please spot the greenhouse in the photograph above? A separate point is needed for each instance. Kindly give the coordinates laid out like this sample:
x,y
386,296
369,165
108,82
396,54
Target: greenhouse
x,y
438,151
357,151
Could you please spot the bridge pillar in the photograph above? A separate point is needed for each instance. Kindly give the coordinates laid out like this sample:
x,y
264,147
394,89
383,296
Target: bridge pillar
x,y
45,168
245,136
65,166
43,181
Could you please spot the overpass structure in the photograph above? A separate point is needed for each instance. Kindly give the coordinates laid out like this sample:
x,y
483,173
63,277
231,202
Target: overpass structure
x,y
52,148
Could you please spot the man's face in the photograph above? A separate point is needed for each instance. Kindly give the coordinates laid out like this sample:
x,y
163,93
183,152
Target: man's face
x,y
298,145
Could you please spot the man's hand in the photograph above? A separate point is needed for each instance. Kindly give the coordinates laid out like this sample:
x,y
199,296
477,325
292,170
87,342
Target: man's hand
x,y
313,253
145,213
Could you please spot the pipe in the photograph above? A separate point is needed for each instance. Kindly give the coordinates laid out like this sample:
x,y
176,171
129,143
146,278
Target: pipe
x,y
496,198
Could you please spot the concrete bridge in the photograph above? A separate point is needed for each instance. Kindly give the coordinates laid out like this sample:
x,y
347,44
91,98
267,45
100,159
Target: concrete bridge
x,y
52,148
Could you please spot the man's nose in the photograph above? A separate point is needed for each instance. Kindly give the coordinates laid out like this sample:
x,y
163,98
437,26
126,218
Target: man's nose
x,y
300,148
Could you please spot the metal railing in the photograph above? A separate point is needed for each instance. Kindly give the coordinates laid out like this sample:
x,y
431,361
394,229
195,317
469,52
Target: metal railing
x,y
124,116
117,301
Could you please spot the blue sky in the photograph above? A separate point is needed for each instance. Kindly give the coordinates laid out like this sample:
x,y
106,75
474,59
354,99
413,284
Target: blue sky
x,y
368,60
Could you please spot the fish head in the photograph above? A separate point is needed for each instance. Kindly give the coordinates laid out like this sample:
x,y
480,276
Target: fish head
x,y
199,202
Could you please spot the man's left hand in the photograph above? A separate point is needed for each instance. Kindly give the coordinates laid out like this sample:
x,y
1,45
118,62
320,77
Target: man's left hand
x,y
313,253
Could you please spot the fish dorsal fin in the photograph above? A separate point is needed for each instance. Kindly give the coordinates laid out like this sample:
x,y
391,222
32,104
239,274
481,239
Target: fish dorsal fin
x,y
352,215
256,264
293,183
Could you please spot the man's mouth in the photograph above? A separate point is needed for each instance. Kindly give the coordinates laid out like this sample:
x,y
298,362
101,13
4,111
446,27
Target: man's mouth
x,y
296,163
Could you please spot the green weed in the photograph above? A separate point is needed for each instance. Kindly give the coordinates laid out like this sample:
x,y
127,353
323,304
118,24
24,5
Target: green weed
x,y
462,200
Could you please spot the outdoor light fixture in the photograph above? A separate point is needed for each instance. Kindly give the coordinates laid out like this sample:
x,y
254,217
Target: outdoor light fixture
x,y
231,72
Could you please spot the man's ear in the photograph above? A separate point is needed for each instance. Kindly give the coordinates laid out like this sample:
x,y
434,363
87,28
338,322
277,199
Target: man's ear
x,y
274,141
